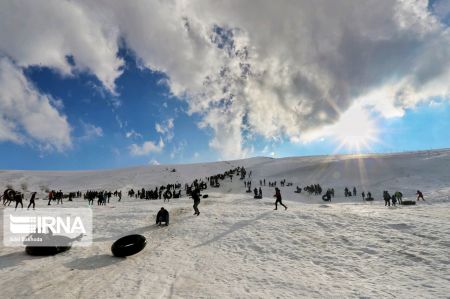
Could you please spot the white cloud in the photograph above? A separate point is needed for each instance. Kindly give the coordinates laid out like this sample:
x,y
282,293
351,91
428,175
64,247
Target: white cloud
x,y
272,68
133,134
154,162
146,148
178,150
165,129
45,33
296,75
90,131
120,123
28,116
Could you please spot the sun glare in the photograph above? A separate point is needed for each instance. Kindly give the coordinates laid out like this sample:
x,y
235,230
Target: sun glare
x,y
355,130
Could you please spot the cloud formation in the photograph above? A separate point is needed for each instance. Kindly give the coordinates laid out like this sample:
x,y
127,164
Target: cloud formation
x,y
275,69
47,33
146,148
90,131
26,116
133,134
166,129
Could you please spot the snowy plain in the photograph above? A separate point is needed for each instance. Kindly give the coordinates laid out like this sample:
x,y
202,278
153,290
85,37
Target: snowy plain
x,y
239,247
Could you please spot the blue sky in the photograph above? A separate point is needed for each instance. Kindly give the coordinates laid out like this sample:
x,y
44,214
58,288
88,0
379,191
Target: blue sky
x,y
219,92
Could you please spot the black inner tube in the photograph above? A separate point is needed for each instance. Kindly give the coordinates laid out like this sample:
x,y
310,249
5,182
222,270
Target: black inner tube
x,y
128,245
45,250
168,194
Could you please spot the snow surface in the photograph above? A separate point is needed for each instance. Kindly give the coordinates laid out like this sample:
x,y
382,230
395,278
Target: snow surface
x,y
240,247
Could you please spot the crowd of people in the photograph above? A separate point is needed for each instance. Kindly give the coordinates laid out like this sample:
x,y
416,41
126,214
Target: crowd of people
x,y
193,190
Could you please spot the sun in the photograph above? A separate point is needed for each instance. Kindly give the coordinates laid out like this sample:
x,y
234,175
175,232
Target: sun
x,y
356,130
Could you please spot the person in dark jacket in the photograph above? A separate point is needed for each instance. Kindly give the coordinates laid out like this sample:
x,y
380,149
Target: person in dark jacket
x,y
196,197
18,198
33,195
387,198
419,195
278,199
162,216
393,199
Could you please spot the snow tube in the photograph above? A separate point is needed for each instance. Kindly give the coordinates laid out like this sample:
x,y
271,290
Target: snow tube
x,y
205,196
257,197
168,194
45,250
128,245
55,244
369,199
408,203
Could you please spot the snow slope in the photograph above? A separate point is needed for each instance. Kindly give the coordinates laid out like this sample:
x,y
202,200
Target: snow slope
x,y
240,247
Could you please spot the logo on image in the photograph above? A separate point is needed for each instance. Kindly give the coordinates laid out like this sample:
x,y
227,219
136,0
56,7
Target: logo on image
x,y
49,227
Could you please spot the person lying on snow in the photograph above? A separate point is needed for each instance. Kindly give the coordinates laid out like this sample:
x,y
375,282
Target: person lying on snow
x,y
162,216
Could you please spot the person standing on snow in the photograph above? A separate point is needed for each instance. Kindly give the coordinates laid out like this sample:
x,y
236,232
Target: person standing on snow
x,y
50,197
278,199
387,199
419,195
196,198
18,198
399,196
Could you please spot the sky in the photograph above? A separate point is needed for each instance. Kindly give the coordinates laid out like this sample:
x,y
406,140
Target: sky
x,y
107,84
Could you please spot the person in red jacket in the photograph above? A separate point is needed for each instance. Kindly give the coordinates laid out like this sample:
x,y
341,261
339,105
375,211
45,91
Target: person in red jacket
x,y
50,197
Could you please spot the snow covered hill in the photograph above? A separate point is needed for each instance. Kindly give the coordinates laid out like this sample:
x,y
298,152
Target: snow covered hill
x,y
240,247
426,170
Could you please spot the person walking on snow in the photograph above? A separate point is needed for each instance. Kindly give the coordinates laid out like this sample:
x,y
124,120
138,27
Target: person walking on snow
x,y
33,195
50,197
278,199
